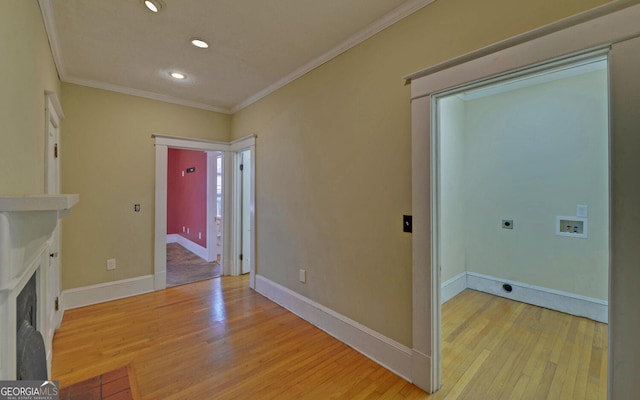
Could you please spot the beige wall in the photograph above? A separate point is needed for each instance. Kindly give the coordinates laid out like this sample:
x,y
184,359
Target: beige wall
x,y
26,71
108,157
333,159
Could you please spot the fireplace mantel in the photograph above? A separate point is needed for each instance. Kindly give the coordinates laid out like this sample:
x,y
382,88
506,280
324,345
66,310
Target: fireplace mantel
x,y
28,226
44,202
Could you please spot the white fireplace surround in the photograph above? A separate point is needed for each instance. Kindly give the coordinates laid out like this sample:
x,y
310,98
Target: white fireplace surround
x,y
27,224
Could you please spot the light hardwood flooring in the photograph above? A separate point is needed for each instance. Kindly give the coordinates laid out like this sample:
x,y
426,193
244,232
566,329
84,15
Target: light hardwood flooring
x,y
217,339
495,348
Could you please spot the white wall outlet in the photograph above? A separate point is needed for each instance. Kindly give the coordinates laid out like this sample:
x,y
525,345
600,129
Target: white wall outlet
x,y
199,235
111,264
303,276
184,229
188,230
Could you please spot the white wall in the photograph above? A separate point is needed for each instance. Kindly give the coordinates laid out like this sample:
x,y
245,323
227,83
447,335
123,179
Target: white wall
x,y
530,155
452,187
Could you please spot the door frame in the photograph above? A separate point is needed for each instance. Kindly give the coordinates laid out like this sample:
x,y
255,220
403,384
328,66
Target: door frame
x,y
53,114
238,147
212,231
162,145
600,28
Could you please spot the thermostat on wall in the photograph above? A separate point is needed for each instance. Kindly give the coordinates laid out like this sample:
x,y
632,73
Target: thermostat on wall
x,y
571,226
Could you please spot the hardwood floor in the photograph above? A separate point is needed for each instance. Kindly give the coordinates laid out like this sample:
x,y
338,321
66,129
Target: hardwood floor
x,y
218,339
185,267
495,348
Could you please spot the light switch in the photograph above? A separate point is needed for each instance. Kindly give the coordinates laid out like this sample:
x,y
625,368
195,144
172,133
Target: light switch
x,y
582,211
407,223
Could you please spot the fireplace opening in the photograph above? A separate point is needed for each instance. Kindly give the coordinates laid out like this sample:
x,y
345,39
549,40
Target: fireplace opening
x,y
31,357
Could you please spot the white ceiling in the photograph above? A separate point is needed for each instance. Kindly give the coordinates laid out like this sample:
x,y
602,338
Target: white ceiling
x,y
255,46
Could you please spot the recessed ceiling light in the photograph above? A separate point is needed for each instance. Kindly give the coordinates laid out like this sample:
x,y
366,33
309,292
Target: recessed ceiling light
x,y
199,43
154,5
177,75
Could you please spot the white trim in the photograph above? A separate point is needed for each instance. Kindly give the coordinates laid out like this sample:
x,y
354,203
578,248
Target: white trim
x,y
190,245
587,37
227,212
453,287
238,146
55,103
189,143
94,294
387,20
143,93
236,221
162,144
212,231
243,143
381,349
546,30
424,311
160,218
558,300
52,34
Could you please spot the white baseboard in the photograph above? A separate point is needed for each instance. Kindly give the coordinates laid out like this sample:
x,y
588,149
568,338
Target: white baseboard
x,y
453,287
193,247
386,352
94,294
569,303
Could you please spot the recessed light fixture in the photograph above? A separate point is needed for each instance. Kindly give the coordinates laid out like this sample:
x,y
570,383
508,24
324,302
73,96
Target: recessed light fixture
x,y
199,43
153,5
177,75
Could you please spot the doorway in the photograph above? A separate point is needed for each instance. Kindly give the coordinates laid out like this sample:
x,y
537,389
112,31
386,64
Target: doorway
x,y
521,196
224,155
610,30
194,215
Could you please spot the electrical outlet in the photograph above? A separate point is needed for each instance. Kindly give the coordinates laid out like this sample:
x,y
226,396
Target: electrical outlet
x,y
199,235
303,276
111,263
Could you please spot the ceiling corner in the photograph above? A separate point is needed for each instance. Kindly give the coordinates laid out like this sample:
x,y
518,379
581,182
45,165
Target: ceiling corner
x,y
52,34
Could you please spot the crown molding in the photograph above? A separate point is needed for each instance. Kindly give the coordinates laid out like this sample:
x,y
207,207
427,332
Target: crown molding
x,y
145,94
50,27
389,19
585,16
52,34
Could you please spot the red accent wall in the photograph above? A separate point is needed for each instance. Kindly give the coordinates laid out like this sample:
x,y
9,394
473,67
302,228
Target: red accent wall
x,y
187,195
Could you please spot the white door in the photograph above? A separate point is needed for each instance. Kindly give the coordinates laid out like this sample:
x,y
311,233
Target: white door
x,y
245,213
52,186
